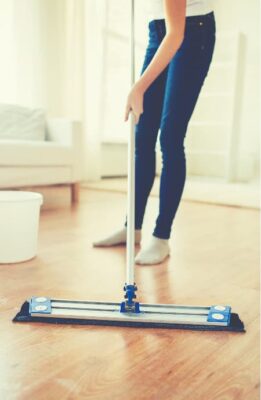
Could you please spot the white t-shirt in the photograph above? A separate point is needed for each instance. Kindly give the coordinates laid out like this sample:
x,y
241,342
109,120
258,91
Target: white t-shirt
x,y
154,8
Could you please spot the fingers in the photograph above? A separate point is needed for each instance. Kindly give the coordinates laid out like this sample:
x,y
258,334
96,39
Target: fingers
x,y
136,114
127,111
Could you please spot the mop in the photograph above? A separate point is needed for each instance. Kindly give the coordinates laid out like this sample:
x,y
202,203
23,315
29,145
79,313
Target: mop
x,y
130,313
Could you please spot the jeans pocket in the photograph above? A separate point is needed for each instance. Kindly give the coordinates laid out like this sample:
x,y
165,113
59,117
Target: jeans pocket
x,y
194,35
197,47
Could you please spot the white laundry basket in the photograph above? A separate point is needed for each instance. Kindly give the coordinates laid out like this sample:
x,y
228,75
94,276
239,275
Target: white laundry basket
x,y
19,222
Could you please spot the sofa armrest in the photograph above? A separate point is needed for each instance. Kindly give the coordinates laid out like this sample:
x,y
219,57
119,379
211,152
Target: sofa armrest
x,y
65,131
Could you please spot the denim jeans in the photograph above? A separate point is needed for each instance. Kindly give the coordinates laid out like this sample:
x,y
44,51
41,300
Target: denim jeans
x,y
168,105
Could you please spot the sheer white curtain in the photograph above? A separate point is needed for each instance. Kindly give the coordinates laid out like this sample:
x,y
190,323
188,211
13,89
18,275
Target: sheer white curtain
x,y
82,75
82,50
94,15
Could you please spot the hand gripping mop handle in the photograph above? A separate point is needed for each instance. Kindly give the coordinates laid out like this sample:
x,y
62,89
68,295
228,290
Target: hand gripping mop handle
x,y
130,286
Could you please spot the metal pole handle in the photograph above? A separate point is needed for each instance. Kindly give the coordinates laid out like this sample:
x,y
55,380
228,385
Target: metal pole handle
x,y
130,305
131,166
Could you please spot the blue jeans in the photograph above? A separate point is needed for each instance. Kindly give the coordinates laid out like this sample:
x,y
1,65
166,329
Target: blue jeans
x,y
168,105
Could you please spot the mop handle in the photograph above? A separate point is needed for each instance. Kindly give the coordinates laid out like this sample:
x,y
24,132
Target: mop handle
x,y
131,169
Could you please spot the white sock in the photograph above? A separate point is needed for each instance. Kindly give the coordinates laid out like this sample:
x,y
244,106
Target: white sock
x,y
154,253
118,237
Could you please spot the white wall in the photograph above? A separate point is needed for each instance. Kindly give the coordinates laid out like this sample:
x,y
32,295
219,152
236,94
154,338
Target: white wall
x,y
244,16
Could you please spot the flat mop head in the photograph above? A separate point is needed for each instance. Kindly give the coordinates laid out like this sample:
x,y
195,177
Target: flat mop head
x,y
213,318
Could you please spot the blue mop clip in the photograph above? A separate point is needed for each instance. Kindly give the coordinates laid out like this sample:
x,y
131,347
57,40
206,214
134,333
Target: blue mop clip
x,y
129,305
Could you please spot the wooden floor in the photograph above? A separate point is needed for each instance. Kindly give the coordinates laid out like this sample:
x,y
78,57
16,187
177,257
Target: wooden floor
x,y
214,259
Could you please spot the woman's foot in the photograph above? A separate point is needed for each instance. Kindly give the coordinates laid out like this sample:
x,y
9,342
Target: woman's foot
x,y
154,253
118,237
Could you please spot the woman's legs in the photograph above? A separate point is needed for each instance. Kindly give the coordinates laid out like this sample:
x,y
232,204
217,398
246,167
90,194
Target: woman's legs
x,y
186,74
168,104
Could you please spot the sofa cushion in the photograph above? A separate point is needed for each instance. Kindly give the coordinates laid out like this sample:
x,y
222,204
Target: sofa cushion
x,y
35,153
23,123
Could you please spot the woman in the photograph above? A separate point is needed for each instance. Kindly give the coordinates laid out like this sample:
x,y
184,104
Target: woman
x,y
177,60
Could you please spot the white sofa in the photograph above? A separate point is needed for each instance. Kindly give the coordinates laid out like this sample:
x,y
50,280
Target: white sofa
x,y
58,159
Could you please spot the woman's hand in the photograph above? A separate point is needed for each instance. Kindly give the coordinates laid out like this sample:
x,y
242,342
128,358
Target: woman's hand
x,y
135,102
